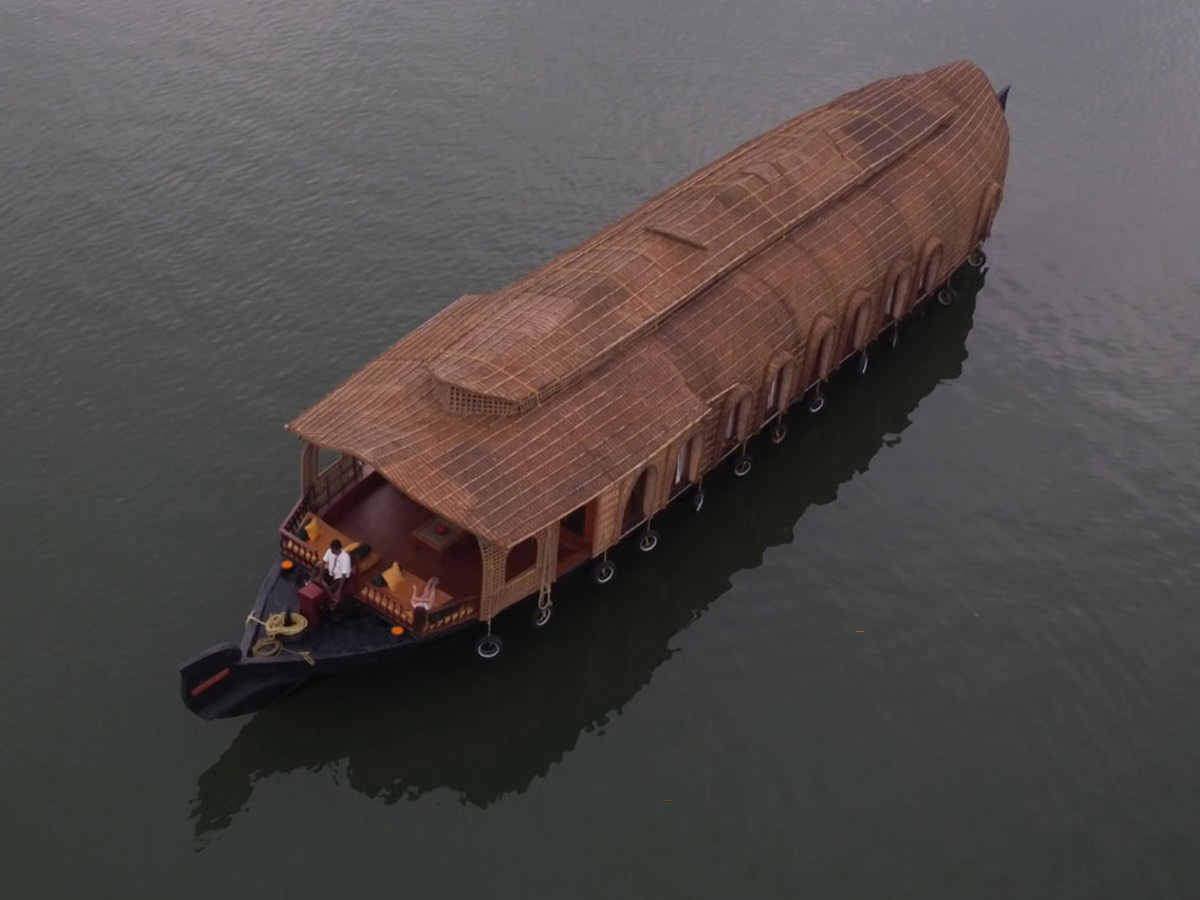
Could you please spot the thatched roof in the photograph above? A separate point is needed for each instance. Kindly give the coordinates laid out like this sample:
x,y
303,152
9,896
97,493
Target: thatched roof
x,y
506,411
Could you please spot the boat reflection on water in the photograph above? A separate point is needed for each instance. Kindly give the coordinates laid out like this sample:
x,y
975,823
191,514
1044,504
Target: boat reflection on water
x,y
445,720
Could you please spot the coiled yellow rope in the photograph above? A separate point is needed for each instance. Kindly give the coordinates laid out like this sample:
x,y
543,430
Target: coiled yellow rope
x,y
277,625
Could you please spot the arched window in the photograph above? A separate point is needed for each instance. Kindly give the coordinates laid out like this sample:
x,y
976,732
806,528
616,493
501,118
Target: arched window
x,y
736,417
932,266
779,384
681,463
897,291
637,507
861,323
823,342
987,212
686,461
773,393
521,558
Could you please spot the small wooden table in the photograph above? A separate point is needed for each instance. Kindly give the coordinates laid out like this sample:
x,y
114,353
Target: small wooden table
x,y
437,533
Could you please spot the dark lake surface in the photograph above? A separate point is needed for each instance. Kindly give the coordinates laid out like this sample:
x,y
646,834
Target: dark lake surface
x,y
943,642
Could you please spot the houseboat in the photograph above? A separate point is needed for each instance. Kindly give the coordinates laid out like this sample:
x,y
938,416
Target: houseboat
x,y
519,436
530,722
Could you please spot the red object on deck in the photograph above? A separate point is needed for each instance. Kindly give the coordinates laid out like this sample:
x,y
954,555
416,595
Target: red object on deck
x,y
311,597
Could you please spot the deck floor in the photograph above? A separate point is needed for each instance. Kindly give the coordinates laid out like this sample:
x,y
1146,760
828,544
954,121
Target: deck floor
x,y
376,512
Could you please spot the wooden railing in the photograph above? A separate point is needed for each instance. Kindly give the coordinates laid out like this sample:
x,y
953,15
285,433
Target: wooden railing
x,y
386,604
336,479
418,621
291,545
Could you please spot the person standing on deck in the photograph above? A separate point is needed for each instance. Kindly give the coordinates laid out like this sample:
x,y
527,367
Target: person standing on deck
x,y
335,572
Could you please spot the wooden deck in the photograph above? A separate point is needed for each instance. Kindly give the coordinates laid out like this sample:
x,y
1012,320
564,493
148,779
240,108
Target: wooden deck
x,y
376,512
401,530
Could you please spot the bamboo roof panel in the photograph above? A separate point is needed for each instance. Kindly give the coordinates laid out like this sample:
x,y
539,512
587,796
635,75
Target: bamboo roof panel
x,y
516,468
506,411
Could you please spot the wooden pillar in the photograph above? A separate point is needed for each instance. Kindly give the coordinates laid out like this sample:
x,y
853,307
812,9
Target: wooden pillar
x,y
308,467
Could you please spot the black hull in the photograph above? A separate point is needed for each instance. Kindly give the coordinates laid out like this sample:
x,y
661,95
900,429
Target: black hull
x,y
228,680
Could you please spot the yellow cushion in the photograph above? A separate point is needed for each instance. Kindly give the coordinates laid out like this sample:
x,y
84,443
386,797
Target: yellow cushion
x,y
313,528
352,546
394,576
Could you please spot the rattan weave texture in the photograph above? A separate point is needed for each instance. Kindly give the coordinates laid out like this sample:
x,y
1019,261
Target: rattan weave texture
x,y
506,411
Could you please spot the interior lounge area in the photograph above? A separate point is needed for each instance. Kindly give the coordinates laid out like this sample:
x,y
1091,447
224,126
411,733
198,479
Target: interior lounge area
x,y
398,544
401,531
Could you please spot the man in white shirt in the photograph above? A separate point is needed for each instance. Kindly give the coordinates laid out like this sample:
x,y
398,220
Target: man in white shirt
x,y
334,572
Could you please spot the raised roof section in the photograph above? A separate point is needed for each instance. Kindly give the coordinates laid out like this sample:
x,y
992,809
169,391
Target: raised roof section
x,y
561,322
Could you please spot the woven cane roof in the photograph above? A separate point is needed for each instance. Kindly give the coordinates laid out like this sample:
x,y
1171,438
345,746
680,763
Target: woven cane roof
x,y
506,411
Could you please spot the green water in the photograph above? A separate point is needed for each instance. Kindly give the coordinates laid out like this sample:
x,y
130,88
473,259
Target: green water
x,y
940,643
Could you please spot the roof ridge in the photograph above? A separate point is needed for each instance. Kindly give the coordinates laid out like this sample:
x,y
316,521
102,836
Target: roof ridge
x,y
513,392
